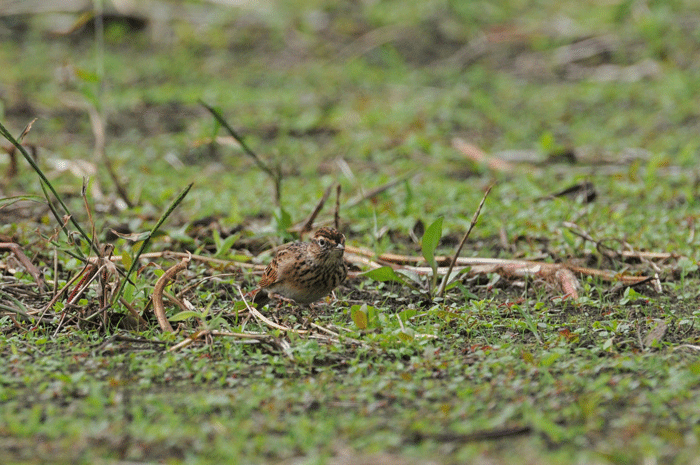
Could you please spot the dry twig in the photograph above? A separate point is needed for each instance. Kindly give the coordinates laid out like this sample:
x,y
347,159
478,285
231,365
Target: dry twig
x,y
309,222
157,297
28,265
443,285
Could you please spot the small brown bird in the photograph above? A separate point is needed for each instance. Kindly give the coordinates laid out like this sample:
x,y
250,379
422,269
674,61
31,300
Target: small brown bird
x,y
305,271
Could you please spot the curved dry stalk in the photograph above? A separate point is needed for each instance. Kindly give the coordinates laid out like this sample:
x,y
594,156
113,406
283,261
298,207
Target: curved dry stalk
x,y
157,297
568,282
253,311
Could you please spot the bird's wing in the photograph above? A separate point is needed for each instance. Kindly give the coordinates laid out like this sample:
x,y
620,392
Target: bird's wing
x,y
269,276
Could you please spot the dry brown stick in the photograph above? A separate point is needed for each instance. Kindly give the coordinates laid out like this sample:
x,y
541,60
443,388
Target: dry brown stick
x,y
373,39
97,121
477,435
578,231
176,301
526,268
133,312
442,259
309,222
336,337
93,273
378,190
253,311
28,265
336,215
200,258
485,265
392,257
157,297
63,290
443,285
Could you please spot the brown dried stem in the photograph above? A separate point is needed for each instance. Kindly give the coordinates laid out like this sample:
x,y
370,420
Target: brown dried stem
x,y
28,265
443,285
309,222
157,297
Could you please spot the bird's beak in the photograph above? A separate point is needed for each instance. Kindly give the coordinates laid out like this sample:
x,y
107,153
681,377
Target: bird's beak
x,y
340,246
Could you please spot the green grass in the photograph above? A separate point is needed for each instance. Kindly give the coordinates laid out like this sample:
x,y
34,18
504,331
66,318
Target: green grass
x,y
308,84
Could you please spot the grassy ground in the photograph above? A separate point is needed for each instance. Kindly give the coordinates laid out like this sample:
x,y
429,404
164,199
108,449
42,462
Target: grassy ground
x,y
502,370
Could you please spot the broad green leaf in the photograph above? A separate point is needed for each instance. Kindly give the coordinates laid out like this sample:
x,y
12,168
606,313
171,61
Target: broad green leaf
x,y
547,141
224,246
129,292
569,238
549,359
406,314
126,260
186,315
86,76
216,236
385,273
283,220
359,316
430,241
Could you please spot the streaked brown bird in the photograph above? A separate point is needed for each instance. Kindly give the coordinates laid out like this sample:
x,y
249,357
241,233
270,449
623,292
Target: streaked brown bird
x,y
305,271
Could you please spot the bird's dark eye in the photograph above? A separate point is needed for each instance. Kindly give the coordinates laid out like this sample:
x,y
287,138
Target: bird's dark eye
x,y
322,242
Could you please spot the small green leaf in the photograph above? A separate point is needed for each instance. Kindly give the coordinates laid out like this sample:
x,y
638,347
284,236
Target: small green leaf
x,y
405,315
129,291
547,142
549,359
87,76
126,260
430,241
283,220
569,238
385,273
224,246
216,237
359,316
186,315
608,345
